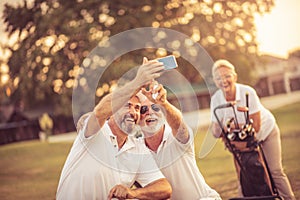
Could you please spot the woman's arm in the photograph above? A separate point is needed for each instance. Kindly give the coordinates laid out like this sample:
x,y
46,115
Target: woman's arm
x,y
256,121
216,130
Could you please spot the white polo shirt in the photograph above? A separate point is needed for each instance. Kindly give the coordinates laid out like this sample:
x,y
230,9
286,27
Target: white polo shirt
x,y
177,162
95,165
267,119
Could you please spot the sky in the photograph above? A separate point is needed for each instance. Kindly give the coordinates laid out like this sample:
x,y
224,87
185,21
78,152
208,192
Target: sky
x,y
277,32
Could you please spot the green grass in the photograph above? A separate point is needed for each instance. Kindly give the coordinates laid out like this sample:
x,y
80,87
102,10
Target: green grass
x,y
31,170
218,168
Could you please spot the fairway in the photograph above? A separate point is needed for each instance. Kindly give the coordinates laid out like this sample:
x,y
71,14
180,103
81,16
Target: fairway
x,y
31,170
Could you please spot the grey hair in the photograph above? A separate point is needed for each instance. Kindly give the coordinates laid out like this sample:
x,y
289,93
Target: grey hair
x,y
222,63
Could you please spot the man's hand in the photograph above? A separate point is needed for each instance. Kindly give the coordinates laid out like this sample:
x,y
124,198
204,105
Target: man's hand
x,y
147,72
121,192
156,190
156,88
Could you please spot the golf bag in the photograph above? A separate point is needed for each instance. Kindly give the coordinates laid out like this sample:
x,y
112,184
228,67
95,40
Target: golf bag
x,y
254,175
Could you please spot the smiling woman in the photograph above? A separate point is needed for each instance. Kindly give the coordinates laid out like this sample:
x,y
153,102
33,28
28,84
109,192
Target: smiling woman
x,y
278,32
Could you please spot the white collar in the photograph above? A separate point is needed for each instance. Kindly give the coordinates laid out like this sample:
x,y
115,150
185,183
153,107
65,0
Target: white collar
x,y
167,132
129,143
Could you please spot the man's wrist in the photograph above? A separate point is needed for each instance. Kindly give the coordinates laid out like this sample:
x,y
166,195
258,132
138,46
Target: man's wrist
x,y
166,104
96,113
134,193
133,88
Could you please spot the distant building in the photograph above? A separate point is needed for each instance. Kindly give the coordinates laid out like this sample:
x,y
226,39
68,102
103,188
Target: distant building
x,y
277,75
198,97
14,125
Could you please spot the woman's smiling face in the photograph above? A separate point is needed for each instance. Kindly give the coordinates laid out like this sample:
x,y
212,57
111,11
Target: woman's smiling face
x,y
225,79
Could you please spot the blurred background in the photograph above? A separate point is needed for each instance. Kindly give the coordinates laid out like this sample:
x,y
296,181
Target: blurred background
x,y
43,44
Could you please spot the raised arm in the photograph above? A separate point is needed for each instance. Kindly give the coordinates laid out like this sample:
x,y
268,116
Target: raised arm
x,y
114,101
173,115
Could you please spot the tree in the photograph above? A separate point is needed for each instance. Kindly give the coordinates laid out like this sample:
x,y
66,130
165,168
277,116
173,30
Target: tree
x,y
54,36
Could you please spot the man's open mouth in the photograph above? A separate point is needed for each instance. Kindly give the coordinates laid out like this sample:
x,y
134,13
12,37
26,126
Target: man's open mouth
x,y
151,120
130,120
225,86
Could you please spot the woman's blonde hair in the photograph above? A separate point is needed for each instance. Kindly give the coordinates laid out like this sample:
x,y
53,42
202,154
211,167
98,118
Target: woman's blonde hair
x,y
222,63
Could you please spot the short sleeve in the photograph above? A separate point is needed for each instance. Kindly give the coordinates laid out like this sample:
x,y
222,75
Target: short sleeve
x,y
189,145
94,128
148,170
254,102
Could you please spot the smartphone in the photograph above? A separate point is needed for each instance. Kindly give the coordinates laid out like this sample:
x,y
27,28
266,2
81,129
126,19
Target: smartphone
x,y
169,62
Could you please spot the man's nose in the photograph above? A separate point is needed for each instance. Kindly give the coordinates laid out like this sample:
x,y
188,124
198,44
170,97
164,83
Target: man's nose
x,y
150,110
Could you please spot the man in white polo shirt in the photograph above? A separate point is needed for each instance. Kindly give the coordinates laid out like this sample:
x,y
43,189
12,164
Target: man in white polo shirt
x,y
172,146
105,158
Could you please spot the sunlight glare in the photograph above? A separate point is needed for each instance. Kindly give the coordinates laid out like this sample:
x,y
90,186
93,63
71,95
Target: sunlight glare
x,y
4,78
278,32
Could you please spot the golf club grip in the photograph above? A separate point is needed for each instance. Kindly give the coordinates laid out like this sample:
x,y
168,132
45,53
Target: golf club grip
x,y
226,105
247,105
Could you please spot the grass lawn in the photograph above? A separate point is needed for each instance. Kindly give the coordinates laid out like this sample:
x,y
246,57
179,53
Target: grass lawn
x,y
218,168
31,170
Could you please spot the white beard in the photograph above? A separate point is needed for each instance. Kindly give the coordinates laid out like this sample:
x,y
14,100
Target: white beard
x,y
151,130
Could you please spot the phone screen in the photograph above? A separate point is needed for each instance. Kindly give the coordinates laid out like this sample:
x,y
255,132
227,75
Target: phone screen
x,y
169,62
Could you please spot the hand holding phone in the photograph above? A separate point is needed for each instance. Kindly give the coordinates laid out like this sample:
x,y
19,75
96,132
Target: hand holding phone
x,y
169,62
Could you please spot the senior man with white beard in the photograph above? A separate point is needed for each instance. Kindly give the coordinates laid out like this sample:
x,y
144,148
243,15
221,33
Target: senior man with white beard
x,y
105,159
170,141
